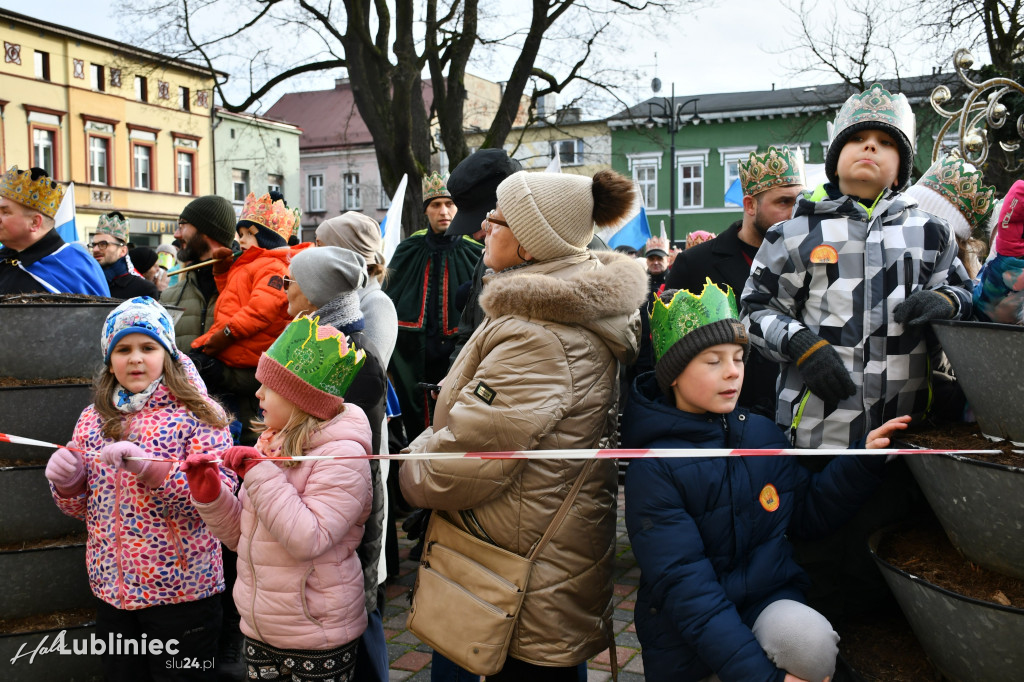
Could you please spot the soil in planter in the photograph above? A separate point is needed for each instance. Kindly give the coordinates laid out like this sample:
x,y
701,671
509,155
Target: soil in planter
x,y
10,382
54,298
48,621
964,436
882,648
72,539
926,552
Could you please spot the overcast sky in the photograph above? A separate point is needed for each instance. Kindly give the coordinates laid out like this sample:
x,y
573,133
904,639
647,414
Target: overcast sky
x,y
731,46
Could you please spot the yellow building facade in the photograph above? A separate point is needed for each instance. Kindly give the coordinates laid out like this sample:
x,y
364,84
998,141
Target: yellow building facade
x,y
131,129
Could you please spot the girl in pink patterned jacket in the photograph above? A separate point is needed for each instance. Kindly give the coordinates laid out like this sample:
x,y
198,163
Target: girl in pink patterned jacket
x,y
296,524
154,565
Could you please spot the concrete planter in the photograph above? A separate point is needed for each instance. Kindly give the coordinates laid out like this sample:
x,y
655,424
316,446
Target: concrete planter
x,y
980,506
987,358
51,340
47,413
966,639
27,508
44,580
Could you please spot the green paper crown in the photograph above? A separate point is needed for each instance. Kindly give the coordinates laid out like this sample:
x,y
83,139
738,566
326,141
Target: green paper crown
x,y
435,185
319,355
962,187
686,312
114,226
879,105
774,168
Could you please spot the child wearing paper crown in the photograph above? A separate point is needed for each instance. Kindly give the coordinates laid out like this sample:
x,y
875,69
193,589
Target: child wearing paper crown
x,y
152,562
842,293
720,596
999,295
295,524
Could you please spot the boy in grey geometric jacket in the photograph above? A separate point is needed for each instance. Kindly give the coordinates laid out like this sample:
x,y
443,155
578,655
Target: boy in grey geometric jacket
x,y
841,294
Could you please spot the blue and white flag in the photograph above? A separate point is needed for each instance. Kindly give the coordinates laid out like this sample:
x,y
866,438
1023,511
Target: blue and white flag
x,y
64,220
391,226
735,193
635,233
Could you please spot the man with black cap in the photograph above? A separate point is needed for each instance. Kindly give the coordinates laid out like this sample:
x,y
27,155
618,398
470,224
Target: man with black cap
x,y
207,223
427,269
474,186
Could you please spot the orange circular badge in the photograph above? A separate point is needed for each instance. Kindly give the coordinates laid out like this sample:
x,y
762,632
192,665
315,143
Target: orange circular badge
x,y
769,498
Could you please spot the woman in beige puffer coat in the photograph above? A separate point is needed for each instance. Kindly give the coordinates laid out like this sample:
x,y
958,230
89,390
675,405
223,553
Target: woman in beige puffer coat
x,y
541,373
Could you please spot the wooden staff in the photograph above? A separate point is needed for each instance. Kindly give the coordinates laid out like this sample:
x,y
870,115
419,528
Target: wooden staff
x,y
205,263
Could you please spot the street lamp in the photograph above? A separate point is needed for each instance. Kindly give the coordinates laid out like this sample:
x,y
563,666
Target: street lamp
x,y
673,113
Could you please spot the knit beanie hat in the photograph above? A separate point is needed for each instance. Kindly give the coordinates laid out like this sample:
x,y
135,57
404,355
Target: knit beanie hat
x,y
684,325
874,109
355,232
311,366
265,237
1010,228
553,214
328,271
143,258
213,216
139,315
951,189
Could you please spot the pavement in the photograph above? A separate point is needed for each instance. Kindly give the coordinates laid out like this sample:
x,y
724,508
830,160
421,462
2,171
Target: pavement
x,y
410,658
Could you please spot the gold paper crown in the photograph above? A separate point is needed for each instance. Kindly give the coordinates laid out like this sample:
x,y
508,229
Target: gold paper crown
x,y
270,214
434,186
117,228
774,168
319,355
962,188
43,195
686,312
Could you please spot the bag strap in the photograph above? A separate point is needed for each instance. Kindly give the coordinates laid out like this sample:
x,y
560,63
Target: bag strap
x,y
563,510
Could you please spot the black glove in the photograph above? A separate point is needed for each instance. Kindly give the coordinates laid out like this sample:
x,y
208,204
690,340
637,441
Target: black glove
x,y
923,306
821,367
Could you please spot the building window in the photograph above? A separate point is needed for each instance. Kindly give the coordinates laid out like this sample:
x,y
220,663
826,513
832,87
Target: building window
x,y
183,100
232,131
278,140
730,158
142,158
240,184
570,152
99,160
186,172
352,202
274,183
44,149
96,73
43,65
646,178
141,89
315,184
691,183
384,201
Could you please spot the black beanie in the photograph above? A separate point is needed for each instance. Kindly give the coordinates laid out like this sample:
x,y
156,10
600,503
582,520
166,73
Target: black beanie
x,y
265,237
676,358
905,147
143,258
213,216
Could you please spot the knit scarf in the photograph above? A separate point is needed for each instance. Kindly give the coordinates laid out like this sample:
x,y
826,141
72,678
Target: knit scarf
x,y
128,402
343,313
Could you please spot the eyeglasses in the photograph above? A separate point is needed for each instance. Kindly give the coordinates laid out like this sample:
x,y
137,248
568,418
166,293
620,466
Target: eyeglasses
x,y
288,281
102,245
491,219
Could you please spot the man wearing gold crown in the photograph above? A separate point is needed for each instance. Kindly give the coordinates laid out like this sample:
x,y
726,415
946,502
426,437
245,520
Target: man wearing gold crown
x,y
110,249
427,269
772,182
34,258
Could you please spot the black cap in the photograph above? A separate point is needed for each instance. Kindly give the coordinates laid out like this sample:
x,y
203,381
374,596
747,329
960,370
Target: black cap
x,y
655,252
474,185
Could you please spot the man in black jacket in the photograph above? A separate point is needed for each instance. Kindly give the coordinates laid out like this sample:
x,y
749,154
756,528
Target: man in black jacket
x,y
110,249
771,182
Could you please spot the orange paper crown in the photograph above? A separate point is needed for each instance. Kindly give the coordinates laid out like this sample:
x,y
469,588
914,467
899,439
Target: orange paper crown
x,y
270,214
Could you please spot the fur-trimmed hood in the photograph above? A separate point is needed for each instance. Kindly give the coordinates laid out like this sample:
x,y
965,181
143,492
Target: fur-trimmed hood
x,y
599,290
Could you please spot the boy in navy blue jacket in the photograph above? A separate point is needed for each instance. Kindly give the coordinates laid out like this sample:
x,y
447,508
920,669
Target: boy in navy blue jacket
x,y
720,596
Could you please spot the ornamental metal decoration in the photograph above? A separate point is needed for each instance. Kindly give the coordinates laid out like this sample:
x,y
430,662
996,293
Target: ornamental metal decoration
x,y
978,115
12,53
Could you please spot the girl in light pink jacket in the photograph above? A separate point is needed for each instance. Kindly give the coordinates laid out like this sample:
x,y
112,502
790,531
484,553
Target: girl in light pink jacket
x,y
296,522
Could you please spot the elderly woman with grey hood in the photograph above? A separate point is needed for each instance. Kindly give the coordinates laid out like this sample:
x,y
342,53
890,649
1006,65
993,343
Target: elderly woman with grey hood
x,y
541,373
325,283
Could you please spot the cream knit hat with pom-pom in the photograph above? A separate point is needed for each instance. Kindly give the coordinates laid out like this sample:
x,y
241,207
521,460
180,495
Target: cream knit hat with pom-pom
x,y
551,214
